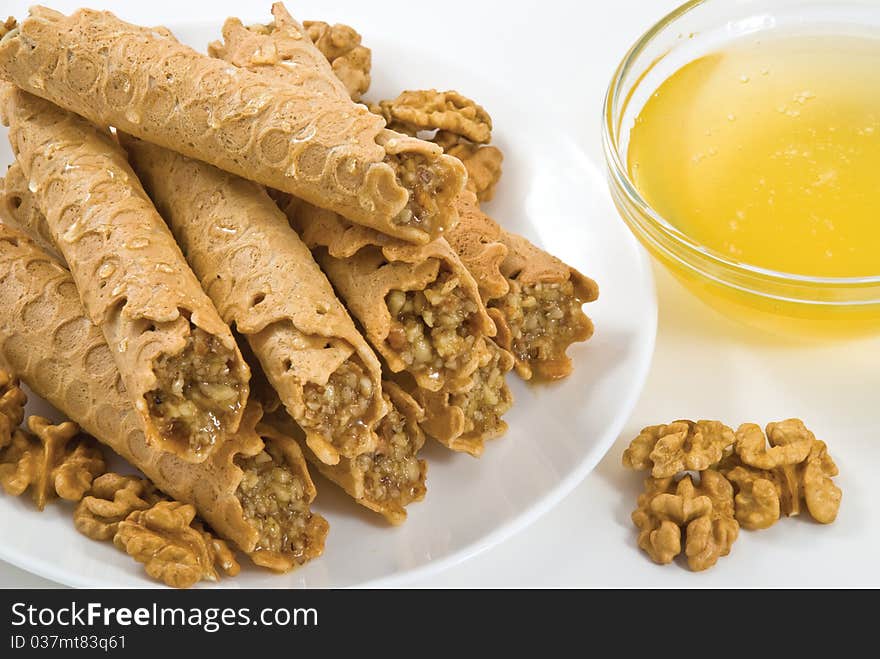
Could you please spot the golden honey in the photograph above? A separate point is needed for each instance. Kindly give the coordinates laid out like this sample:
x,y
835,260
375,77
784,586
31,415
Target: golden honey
x,y
768,152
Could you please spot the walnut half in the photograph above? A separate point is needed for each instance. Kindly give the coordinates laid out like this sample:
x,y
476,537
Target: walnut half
x,y
757,498
113,497
428,110
482,162
341,45
703,513
462,129
796,469
173,549
669,449
56,460
790,443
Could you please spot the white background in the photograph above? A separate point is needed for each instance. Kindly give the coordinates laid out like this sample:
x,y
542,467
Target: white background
x,y
560,56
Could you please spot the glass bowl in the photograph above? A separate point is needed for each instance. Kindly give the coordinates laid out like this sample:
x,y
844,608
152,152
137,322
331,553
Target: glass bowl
x,y
777,301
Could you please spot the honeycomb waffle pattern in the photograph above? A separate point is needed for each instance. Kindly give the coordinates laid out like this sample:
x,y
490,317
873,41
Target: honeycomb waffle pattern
x,y
46,338
306,138
278,299
131,276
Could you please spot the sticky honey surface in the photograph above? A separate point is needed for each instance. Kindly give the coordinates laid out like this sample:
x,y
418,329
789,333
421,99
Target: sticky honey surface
x,y
769,152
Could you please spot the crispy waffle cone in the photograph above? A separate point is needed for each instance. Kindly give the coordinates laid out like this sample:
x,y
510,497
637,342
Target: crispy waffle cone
x,y
302,135
264,282
477,239
385,491
501,261
464,418
46,339
131,276
283,53
364,266
362,478
310,543
18,209
495,256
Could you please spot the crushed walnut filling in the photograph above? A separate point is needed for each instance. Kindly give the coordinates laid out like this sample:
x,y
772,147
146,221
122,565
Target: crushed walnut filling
x,y
337,410
489,398
275,501
197,392
393,473
544,319
425,180
430,328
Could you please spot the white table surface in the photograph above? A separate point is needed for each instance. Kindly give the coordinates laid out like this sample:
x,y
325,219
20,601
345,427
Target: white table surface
x,y
705,366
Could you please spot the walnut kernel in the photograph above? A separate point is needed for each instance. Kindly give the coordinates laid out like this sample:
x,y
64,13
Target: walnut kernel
x,y
341,45
679,446
164,539
19,463
757,499
56,460
482,162
429,109
113,497
790,443
798,476
704,513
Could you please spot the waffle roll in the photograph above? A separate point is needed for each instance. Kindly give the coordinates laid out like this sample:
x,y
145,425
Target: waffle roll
x,y
383,282
414,201
326,375
419,308
47,340
534,298
388,479
181,366
300,133
464,417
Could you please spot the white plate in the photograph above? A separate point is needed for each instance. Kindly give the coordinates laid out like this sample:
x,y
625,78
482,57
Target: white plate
x,y
556,195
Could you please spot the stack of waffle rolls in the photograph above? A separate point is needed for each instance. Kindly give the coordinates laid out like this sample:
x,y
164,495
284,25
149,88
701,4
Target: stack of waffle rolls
x,y
439,365
47,340
326,375
240,193
512,272
265,127
181,366
387,479
366,266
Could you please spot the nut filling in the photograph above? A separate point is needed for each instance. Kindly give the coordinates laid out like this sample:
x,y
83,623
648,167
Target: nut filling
x,y
544,319
489,398
430,328
393,473
425,181
197,393
337,410
275,500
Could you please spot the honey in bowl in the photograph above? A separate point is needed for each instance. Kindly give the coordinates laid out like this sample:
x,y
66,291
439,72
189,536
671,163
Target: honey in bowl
x,y
768,152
